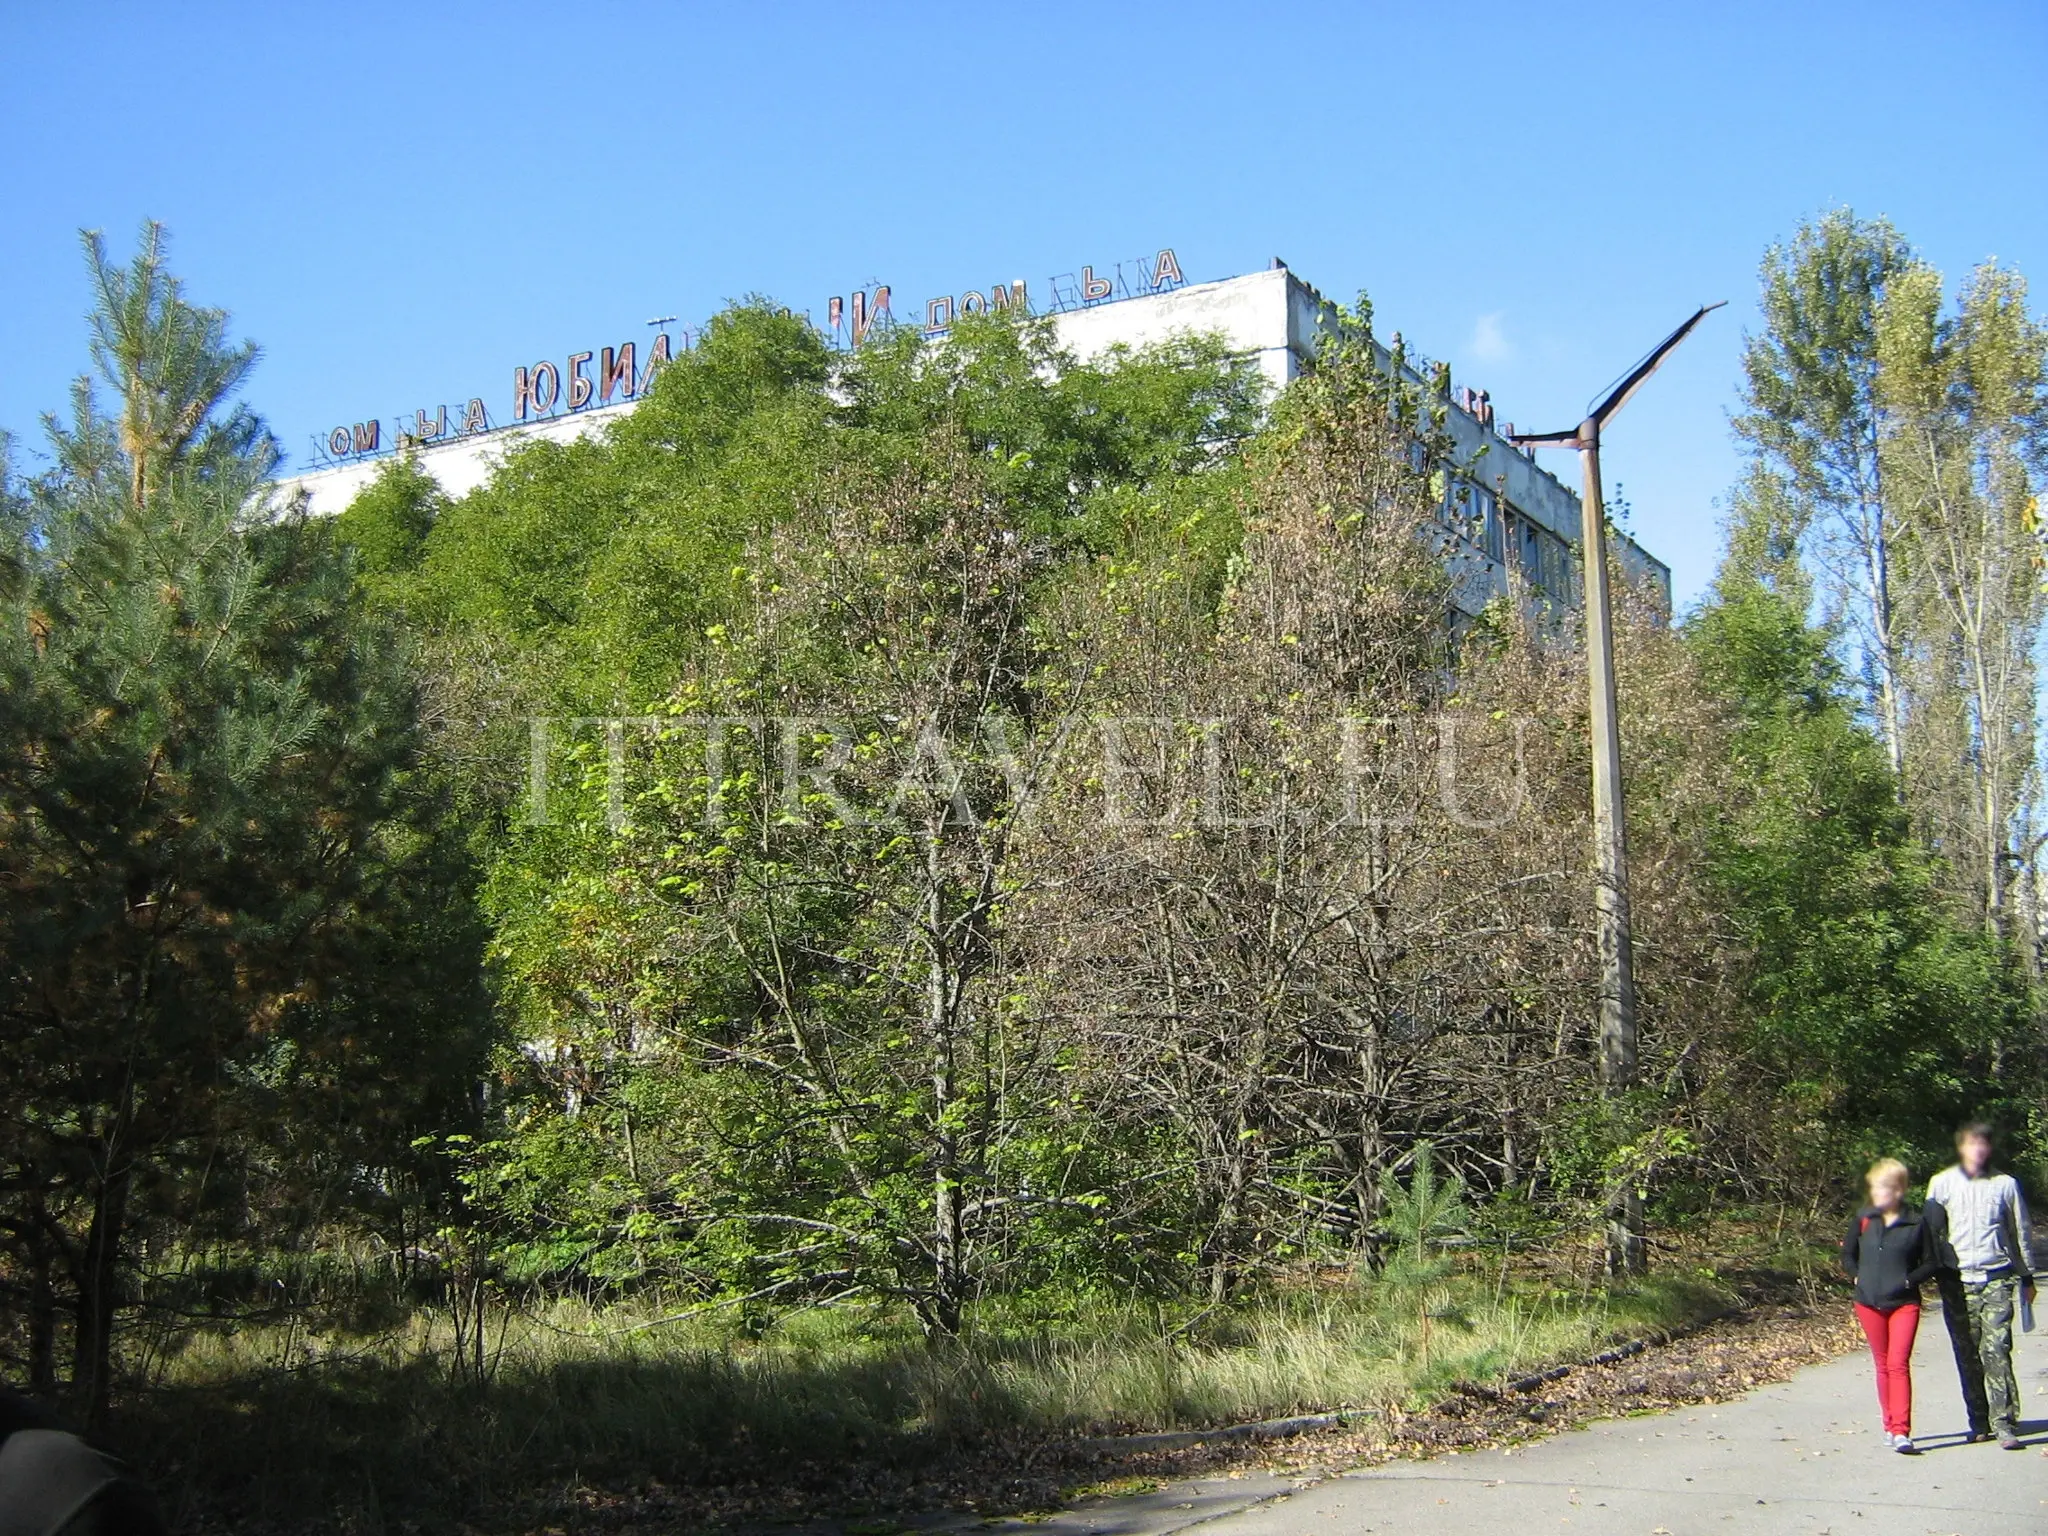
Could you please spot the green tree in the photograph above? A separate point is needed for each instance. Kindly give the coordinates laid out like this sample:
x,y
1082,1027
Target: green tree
x,y
1964,434
230,919
1810,412
1866,1009
766,1056
1899,448
388,522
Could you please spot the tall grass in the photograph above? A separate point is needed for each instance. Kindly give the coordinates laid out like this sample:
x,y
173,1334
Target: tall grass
x,y
305,1428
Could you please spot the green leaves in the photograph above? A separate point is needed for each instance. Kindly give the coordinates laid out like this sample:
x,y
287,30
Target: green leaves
x,y
388,524
1858,980
1810,373
172,369
779,533
1899,443
239,948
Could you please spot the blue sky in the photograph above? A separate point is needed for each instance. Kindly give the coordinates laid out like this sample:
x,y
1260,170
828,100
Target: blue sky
x,y
403,202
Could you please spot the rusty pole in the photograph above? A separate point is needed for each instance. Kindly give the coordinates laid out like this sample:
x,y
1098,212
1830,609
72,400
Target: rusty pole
x,y
1625,1233
1627,1249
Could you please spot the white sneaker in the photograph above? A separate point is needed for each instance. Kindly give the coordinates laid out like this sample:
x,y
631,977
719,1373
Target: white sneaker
x,y
1904,1445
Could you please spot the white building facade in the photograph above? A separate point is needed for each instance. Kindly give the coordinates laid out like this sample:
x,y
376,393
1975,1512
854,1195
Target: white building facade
x,y
1511,524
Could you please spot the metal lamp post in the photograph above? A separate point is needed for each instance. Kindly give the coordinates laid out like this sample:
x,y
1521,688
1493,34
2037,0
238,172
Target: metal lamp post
x,y
1624,1226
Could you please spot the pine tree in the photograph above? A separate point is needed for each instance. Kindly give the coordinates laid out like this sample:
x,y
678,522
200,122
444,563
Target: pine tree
x,y
210,821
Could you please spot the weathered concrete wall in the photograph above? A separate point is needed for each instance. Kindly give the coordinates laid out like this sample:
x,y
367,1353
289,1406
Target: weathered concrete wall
x,y
460,466
1253,314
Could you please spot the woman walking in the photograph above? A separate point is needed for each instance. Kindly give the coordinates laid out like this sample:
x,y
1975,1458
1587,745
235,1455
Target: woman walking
x,y
1888,1253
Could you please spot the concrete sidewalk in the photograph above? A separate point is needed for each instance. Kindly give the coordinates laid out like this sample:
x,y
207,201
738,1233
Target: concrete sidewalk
x,y
1805,1456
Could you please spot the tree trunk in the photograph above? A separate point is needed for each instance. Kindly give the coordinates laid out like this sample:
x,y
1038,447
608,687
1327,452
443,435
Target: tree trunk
x,y
1221,1255
1881,623
1994,858
42,1309
1372,1148
948,1281
99,1290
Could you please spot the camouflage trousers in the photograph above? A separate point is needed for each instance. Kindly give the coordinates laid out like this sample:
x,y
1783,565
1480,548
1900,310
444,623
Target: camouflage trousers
x,y
1979,1318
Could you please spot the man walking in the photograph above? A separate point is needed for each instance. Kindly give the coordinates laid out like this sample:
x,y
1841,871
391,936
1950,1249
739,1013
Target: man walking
x,y
1979,1222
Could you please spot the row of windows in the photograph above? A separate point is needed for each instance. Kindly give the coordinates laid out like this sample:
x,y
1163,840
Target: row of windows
x,y
1475,513
1499,532
1545,559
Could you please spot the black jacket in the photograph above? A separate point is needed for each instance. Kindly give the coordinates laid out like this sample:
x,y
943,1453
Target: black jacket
x,y
1888,1263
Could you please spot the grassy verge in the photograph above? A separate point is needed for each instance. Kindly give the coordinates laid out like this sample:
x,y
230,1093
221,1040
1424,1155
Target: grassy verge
x,y
291,1429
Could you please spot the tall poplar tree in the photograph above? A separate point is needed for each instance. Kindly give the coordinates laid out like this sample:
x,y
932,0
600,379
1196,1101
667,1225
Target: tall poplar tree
x,y
1810,412
1963,437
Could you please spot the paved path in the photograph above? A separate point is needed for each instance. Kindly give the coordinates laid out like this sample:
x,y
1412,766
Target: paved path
x,y
1806,1456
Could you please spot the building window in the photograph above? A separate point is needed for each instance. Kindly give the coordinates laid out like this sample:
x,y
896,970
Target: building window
x,y
1557,571
1474,513
1528,547
1492,534
1541,558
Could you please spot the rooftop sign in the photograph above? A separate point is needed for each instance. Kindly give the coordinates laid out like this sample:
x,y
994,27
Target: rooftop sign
x,y
614,375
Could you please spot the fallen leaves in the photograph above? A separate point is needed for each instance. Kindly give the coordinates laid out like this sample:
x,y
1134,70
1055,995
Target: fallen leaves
x,y
1027,1476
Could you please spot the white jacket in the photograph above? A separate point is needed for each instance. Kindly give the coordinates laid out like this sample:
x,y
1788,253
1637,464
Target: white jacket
x,y
1982,1224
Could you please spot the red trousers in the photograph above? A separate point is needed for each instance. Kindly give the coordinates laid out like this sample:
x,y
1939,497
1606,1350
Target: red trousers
x,y
1890,1332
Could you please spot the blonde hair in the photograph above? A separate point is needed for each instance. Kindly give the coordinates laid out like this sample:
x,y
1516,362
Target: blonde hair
x,y
1889,1168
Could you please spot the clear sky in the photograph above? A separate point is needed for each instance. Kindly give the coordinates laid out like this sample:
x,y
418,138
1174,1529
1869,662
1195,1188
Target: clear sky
x,y
403,202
